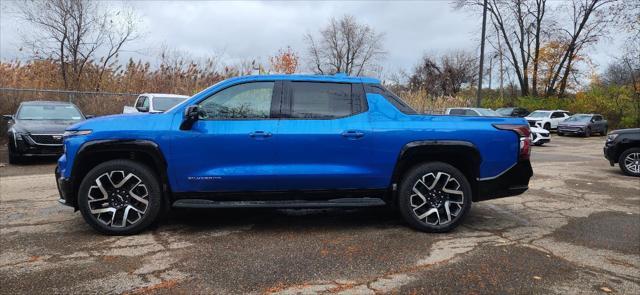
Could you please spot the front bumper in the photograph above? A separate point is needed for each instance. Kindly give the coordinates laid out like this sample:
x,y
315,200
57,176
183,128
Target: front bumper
x,y
540,138
27,146
571,130
610,152
513,182
65,189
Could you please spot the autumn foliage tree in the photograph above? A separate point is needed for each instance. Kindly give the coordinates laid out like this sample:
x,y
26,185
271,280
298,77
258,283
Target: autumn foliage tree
x,y
285,62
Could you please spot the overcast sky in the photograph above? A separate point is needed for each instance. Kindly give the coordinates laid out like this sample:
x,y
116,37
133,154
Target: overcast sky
x,y
246,30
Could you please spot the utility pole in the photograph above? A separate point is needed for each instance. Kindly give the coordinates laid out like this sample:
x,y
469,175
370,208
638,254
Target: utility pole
x,y
484,29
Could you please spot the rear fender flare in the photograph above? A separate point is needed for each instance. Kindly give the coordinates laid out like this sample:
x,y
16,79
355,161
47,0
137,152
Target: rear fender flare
x,y
433,148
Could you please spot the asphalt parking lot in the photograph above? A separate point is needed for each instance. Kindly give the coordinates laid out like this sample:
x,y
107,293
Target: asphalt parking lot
x,y
577,230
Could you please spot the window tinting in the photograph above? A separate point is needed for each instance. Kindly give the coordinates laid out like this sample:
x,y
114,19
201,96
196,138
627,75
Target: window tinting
x,y
320,100
243,101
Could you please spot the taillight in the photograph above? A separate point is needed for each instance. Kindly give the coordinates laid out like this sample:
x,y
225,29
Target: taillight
x,y
524,134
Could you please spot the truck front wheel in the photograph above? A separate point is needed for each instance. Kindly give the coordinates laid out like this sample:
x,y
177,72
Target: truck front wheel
x,y
434,197
120,197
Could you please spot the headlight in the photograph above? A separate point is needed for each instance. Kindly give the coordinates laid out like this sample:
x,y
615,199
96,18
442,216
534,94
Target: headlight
x,y
72,133
612,137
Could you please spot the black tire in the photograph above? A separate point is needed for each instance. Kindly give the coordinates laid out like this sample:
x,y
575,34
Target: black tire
x,y
13,157
604,131
621,161
547,127
587,132
560,134
428,172
111,170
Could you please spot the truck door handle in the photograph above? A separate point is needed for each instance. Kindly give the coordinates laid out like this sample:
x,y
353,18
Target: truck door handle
x,y
261,134
353,134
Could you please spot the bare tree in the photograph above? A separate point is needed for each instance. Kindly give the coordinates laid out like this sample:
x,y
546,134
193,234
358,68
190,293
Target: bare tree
x,y
444,75
519,24
538,14
588,24
74,33
524,27
345,46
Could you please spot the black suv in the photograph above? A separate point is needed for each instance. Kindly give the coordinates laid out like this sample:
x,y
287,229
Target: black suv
x,y
623,147
37,128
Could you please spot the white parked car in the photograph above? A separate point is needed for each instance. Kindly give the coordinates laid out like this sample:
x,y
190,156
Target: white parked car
x,y
547,119
539,136
154,103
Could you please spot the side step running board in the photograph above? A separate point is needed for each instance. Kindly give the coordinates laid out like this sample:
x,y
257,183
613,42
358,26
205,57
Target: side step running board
x,y
340,203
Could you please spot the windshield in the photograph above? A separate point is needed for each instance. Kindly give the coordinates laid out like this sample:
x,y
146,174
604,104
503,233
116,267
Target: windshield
x,y
539,114
49,112
504,111
488,112
165,103
578,118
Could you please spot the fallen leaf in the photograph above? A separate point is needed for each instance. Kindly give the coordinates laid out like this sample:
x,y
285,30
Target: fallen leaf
x,y
537,278
605,289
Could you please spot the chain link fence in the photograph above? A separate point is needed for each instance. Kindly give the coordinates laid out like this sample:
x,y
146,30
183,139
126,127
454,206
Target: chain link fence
x,y
89,102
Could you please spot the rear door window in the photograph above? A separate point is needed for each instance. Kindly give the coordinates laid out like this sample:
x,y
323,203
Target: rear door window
x,y
316,100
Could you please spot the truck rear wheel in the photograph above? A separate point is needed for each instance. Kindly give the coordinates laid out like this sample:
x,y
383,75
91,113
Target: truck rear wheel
x,y
434,197
120,197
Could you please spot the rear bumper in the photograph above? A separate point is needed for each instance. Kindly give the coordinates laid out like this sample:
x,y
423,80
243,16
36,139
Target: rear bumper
x,y
513,182
65,189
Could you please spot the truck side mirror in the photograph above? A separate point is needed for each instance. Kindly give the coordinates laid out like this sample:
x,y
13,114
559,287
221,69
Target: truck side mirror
x,y
191,115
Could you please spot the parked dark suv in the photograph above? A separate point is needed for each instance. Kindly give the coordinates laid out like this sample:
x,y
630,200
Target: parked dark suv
x,y
37,128
583,124
623,147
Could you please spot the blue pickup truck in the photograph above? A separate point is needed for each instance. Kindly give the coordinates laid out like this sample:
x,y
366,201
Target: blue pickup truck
x,y
290,141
